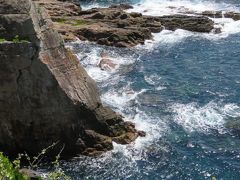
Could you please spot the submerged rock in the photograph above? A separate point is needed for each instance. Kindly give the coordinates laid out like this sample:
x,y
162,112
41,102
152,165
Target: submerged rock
x,y
46,96
233,124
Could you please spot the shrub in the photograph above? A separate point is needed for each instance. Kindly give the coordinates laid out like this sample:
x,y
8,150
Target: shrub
x,y
8,170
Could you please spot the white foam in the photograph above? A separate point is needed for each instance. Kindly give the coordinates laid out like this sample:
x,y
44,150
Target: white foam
x,y
228,27
121,97
154,127
204,119
166,38
91,59
152,79
169,7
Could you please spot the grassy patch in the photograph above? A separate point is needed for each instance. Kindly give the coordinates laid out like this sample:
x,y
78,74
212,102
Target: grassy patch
x,y
2,40
17,39
80,22
60,20
72,22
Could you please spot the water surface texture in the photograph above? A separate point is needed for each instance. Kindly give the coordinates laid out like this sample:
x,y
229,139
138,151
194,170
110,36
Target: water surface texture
x,y
182,88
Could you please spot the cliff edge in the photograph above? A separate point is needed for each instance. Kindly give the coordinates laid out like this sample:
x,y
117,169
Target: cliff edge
x,y
46,96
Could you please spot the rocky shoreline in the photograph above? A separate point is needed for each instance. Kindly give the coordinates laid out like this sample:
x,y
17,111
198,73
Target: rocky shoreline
x,y
46,95
114,26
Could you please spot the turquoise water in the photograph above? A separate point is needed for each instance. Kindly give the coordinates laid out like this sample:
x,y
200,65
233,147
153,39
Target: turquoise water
x,y
183,89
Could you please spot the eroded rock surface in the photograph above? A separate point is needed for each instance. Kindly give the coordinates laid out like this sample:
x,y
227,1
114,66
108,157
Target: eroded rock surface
x,y
46,96
113,26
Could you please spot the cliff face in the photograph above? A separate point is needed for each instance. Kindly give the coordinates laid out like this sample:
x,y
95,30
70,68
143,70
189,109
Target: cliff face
x,y
45,94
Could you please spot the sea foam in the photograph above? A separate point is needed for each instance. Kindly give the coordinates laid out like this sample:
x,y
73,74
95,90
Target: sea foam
x,y
211,116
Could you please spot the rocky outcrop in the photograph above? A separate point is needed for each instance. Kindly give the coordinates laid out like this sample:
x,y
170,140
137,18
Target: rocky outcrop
x,y
190,23
45,94
113,26
220,14
213,14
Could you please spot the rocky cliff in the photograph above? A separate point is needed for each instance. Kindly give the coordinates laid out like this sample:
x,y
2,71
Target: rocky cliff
x,y
45,94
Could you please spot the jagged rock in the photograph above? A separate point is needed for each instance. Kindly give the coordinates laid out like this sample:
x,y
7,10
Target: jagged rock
x,y
190,23
46,96
122,6
114,27
60,8
106,63
142,133
220,14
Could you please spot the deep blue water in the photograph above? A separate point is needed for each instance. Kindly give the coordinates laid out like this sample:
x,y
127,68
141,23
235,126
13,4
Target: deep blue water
x,y
187,93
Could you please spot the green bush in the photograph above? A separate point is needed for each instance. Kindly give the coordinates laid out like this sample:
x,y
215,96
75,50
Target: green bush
x,y
2,40
8,170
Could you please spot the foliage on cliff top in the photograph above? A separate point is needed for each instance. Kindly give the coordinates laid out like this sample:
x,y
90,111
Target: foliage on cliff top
x,y
11,170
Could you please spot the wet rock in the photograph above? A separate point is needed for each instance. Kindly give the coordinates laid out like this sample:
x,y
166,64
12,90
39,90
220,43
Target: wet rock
x,y
190,23
220,14
141,133
135,14
126,138
233,124
96,143
217,30
122,6
106,63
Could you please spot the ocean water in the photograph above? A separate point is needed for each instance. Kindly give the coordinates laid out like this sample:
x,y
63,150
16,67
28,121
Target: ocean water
x,y
182,88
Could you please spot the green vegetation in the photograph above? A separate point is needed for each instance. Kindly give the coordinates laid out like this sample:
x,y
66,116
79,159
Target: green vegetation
x,y
60,20
80,22
11,170
16,39
2,40
8,170
72,22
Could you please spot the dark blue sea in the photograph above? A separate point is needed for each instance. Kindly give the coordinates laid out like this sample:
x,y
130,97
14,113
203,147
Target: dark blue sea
x,y
182,88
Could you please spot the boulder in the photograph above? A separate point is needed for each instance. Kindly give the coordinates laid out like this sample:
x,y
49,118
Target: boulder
x,y
106,64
